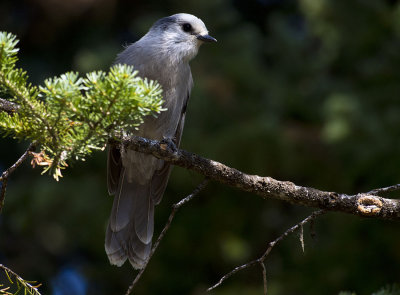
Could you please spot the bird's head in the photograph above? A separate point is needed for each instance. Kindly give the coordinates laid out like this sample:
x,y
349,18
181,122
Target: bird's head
x,y
180,34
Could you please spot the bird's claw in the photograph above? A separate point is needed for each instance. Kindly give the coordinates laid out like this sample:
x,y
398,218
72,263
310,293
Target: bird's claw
x,y
169,144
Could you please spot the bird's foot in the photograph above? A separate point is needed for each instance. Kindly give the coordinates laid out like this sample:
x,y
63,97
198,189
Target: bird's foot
x,y
169,144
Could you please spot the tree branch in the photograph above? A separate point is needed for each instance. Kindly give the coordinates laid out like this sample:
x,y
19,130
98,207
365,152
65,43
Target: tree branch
x,y
361,204
368,204
387,189
261,259
29,288
175,208
8,106
4,176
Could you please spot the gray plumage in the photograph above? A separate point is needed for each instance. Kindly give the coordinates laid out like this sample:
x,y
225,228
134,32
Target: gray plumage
x,y
137,180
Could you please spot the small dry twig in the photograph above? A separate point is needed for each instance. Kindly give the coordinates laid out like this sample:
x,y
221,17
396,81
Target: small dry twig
x,y
261,259
387,189
175,208
6,174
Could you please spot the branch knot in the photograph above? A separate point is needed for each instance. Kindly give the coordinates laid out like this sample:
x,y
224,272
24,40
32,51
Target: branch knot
x,y
369,205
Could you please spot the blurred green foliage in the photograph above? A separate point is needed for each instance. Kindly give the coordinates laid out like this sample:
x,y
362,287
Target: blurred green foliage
x,y
303,90
388,290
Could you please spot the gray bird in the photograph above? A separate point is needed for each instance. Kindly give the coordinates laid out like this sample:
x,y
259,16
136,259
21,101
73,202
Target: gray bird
x,y
137,180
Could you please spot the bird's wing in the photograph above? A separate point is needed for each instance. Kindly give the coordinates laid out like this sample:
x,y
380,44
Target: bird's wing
x,y
131,224
114,165
160,177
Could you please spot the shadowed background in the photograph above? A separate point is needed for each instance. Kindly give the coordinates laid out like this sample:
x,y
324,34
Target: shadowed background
x,y
305,91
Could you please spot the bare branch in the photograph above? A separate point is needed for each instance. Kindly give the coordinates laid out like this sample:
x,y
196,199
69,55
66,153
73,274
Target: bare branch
x,y
3,192
362,204
4,176
301,238
175,208
261,259
264,273
8,106
387,189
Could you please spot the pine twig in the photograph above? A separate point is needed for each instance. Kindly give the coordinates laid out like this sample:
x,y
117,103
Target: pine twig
x,y
28,287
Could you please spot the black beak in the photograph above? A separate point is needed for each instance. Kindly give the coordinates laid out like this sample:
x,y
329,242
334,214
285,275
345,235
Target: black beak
x,y
206,38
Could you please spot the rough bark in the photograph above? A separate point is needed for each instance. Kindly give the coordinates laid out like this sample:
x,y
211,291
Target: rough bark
x,y
8,106
362,204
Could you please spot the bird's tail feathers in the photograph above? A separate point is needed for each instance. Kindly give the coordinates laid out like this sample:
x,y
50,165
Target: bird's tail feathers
x,y
130,228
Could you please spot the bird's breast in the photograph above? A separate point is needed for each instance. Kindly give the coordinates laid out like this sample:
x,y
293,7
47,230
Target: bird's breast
x,y
175,78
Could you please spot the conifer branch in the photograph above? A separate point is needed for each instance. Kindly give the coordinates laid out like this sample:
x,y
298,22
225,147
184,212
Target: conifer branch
x,y
70,116
28,287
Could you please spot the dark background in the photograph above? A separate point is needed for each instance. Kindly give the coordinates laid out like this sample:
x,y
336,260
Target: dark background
x,y
305,91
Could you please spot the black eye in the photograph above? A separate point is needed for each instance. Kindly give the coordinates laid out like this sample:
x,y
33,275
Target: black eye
x,y
187,27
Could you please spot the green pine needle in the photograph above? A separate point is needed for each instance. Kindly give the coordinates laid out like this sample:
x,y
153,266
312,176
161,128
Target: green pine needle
x,y
70,116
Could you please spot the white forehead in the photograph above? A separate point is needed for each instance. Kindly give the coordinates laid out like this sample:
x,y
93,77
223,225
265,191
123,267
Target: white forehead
x,y
181,18
189,18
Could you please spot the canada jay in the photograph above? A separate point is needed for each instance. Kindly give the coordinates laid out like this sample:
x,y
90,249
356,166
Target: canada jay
x,y
137,180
